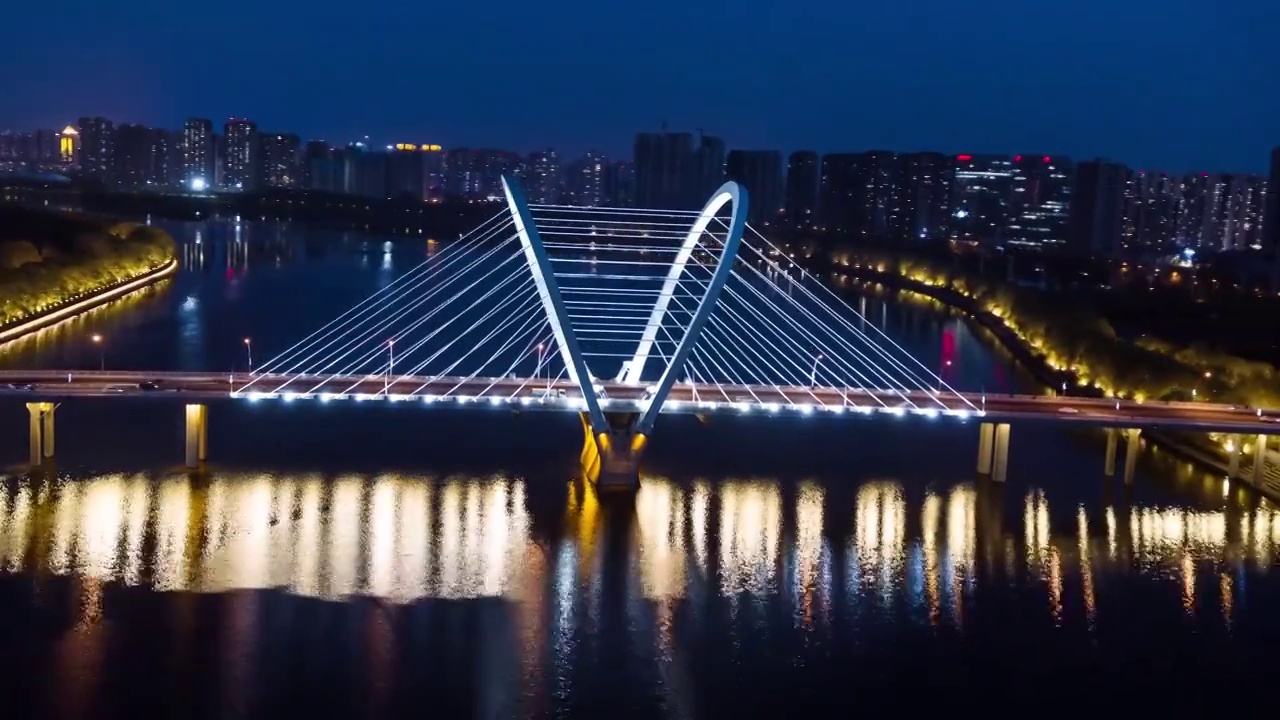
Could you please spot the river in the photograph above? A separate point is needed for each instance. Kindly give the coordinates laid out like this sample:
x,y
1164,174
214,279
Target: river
x,y
365,560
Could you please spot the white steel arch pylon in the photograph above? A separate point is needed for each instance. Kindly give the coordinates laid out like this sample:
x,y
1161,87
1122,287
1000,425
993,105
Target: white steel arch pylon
x,y
730,192
535,255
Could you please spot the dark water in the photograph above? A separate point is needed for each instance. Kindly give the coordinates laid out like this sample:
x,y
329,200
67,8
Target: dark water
x,y
374,561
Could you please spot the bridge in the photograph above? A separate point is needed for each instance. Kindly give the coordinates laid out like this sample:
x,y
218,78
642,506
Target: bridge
x,y
620,315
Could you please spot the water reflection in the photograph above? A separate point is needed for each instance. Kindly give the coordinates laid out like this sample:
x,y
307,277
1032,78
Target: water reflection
x,y
407,538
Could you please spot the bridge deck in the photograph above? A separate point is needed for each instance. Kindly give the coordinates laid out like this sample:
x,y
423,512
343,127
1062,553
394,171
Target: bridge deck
x,y
619,397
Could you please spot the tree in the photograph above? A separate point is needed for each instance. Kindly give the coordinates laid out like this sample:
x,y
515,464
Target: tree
x,y
16,253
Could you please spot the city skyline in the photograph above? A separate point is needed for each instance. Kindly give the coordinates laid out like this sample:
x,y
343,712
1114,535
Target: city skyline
x,y
625,147
1167,86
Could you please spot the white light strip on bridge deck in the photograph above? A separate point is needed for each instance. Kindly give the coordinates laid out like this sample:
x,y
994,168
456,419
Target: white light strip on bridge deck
x,y
575,404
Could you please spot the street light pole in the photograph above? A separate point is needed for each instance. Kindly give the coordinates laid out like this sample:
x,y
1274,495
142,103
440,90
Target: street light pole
x,y
391,365
813,374
102,351
248,348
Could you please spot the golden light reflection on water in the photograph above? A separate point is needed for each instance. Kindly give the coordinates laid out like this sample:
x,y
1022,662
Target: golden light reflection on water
x,y
404,538
750,533
322,538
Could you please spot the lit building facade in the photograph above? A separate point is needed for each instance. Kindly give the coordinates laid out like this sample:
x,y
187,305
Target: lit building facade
x,y
760,172
801,204
197,154
280,160
980,195
97,148
240,155
1040,203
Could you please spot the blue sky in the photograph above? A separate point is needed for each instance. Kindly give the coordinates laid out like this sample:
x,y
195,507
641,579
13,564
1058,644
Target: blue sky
x,y
1167,84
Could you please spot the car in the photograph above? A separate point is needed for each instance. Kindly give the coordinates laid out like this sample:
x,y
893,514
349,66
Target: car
x,y
21,386
148,385
1069,411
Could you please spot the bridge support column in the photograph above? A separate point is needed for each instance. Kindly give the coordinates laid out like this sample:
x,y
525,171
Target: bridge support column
x,y
611,458
197,435
1130,453
1235,445
1259,460
1000,461
40,434
986,441
1113,440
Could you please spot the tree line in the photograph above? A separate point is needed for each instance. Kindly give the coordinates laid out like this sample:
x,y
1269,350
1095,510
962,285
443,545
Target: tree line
x,y
1068,328
48,258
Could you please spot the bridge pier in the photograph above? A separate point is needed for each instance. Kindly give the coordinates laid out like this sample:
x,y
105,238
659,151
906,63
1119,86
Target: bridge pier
x,y
611,459
40,434
1113,440
1235,446
993,450
1130,453
197,435
1260,461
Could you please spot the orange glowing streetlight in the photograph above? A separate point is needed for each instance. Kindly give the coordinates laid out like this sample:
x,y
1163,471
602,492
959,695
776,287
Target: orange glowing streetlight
x,y
248,349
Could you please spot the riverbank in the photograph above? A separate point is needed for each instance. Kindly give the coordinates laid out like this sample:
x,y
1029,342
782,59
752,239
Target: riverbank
x,y
84,303
1208,453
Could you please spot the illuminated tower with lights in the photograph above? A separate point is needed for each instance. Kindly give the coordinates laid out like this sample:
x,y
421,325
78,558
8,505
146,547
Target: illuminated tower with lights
x,y
68,146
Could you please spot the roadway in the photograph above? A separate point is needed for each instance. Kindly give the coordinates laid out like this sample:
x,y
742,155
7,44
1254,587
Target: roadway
x,y
617,397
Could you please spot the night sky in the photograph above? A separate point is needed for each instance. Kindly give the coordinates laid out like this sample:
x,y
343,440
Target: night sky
x,y
1161,84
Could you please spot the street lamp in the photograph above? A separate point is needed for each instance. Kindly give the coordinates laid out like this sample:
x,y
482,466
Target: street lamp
x,y
391,364
813,374
248,348
102,351
537,369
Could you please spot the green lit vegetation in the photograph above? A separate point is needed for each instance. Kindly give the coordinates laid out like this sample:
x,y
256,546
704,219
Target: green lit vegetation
x,y
1064,329
48,258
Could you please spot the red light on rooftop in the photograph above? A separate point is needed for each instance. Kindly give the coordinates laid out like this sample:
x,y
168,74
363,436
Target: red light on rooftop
x,y
1017,158
1046,158
964,158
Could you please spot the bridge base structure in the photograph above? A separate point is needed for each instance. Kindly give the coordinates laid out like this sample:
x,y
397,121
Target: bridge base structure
x,y
993,450
611,458
41,432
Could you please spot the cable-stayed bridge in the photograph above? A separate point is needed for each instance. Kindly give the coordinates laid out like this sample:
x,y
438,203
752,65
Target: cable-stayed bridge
x,y
619,315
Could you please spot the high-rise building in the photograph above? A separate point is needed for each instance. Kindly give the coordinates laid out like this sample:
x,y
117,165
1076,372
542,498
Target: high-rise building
x,y
922,208
197,154
1271,218
132,161
760,171
477,173
1040,202
1097,209
619,184
68,147
840,192
1242,224
1152,206
980,196
544,177
801,205
97,148
280,167
406,171
664,166
585,183
323,167
708,170
240,159
433,165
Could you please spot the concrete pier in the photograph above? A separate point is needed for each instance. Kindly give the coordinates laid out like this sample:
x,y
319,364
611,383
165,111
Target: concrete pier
x,y
1113,440
611,459
1235,447
986,441
197,449
1260,461
40,435
1131,448
993,450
